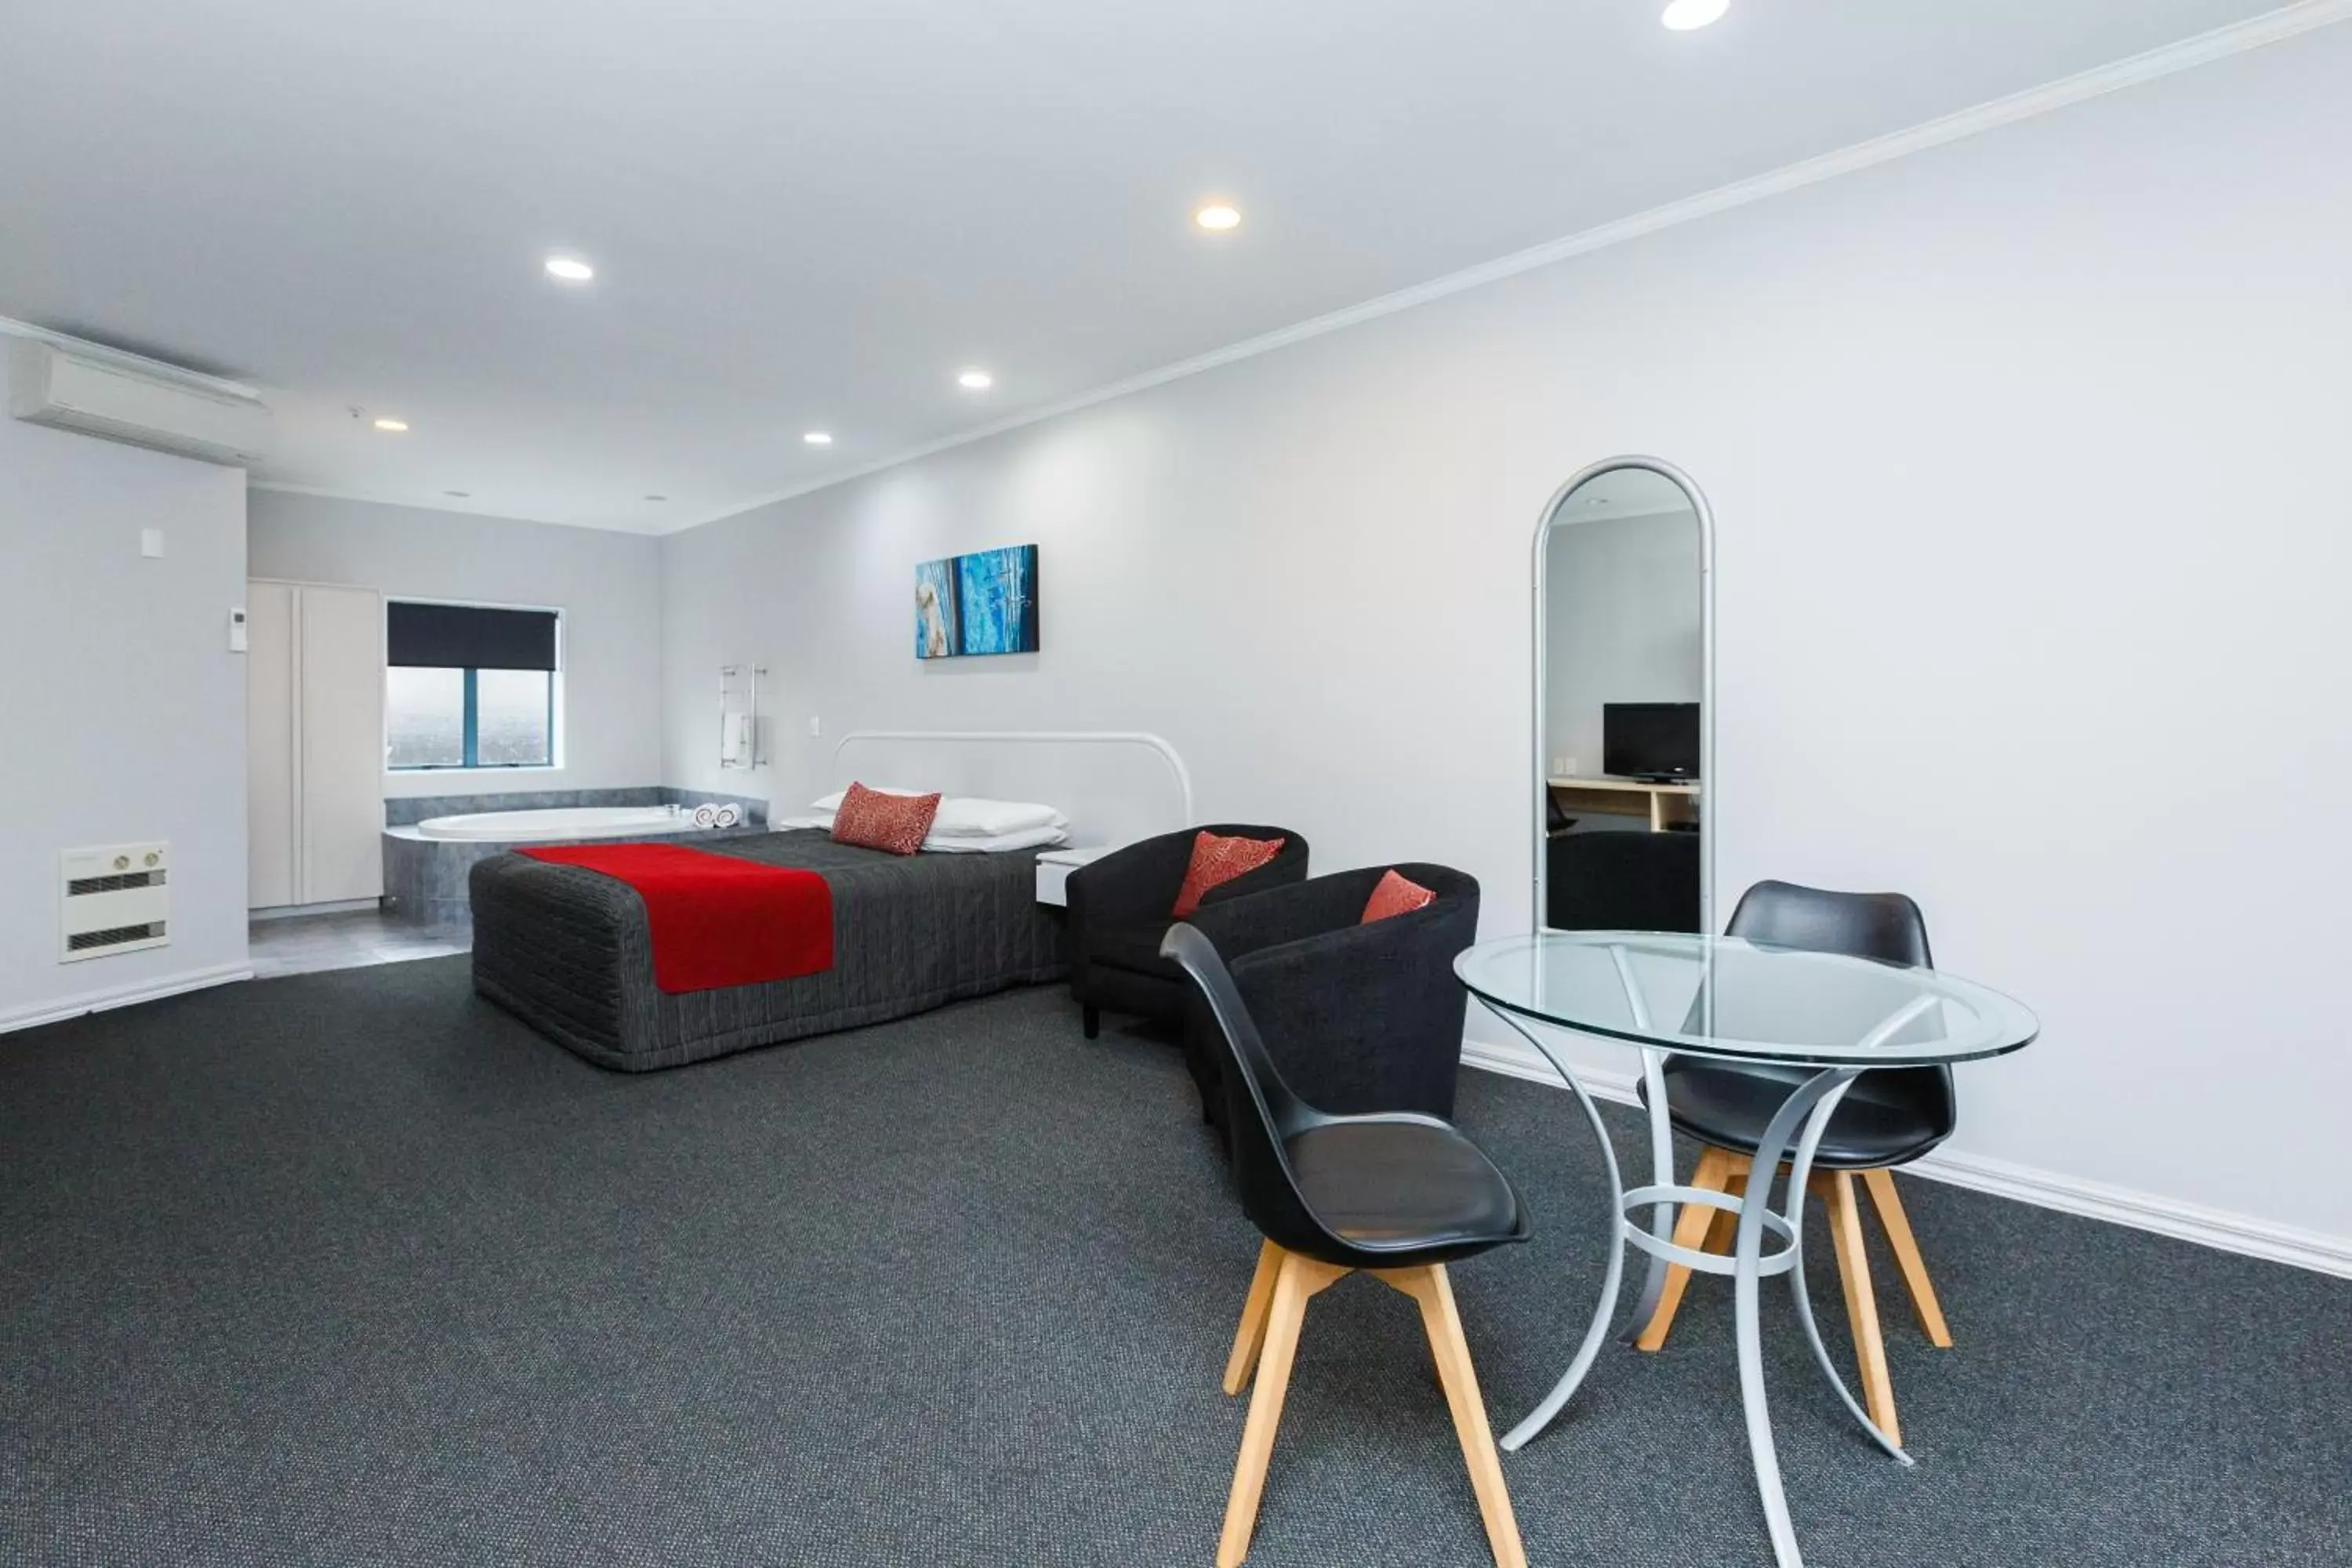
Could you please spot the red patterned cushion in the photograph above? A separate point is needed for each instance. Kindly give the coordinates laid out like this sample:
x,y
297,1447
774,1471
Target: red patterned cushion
x,y
897,823
1395,896
1216,861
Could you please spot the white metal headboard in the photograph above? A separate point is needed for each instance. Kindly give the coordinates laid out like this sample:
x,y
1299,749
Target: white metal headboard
x,y
1116,785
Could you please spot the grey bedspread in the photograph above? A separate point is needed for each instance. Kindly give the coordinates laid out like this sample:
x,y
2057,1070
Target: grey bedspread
x,y
567,949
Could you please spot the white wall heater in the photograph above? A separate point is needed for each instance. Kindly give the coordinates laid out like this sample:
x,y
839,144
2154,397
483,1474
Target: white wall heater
x,y
113,898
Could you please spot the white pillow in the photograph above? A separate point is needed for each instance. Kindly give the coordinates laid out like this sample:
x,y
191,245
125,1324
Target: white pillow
x,y
970,817
832,803
995,843
966,815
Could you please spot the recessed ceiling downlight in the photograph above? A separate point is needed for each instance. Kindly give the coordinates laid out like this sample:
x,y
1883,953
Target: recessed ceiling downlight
x,y
974,380
1218,217
817,437
569,270
1689,16
393,427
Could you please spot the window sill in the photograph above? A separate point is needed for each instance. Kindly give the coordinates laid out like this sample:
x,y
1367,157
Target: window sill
x,y
473,772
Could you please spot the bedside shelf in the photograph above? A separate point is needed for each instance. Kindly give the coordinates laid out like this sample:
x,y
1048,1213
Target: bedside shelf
x,y
1055,866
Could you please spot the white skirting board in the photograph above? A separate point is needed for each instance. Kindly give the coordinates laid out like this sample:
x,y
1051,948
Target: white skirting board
x,y
122,995
2219,1228
296,911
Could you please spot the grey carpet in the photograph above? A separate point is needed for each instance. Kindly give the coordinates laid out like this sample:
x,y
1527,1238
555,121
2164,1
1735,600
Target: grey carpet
x,y
352,1269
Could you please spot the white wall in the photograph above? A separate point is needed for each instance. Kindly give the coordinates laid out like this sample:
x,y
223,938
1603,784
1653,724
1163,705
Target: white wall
x,y
1622,624
607,586
2026,454
123,709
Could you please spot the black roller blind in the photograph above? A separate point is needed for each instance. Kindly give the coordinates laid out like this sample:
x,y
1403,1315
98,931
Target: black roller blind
x,y
465,636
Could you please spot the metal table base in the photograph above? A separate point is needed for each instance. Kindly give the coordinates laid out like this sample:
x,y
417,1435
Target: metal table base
x,y
1811,1105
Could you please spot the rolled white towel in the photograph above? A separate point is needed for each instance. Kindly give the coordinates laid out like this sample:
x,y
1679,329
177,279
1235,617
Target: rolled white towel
x,y
706,816
728,814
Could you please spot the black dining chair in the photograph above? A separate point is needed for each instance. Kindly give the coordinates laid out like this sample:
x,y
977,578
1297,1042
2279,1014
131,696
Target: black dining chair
x,y
1398,1195
1889,1118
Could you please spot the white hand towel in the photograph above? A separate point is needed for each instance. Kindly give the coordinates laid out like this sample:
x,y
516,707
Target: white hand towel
x,y
735,748
706,816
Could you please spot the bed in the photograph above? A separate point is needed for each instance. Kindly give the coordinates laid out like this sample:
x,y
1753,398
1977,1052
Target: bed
x,y
569,950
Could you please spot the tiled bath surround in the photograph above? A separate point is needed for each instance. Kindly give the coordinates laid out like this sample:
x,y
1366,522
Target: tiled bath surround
x,y
424,879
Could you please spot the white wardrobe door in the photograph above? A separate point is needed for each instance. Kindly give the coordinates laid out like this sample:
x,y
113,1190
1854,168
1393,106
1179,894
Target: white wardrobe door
x,y
341,639
273,786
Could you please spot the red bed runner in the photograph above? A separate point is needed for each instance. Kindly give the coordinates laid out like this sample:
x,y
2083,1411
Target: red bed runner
x,y
717,920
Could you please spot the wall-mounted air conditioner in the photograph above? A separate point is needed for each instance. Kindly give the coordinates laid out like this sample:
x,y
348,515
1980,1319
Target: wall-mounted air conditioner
x,y
51,384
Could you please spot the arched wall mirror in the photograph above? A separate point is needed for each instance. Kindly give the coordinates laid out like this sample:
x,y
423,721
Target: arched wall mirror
x,y
1624,708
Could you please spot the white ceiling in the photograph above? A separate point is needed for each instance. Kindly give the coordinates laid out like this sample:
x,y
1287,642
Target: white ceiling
x,y
811,213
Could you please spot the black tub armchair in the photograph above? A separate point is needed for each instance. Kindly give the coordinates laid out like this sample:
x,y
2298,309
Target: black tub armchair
x,y
1122,905
1360,1018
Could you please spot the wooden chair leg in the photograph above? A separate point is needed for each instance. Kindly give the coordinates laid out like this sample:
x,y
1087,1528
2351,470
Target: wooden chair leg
x,y
1720,1236
1692,1228
1443,1324
1298,1279
1837,1192
1252,1333
1924,1305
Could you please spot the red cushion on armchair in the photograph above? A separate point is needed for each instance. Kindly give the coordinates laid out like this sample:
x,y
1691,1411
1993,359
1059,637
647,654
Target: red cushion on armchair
x,y
1395,896
1216,861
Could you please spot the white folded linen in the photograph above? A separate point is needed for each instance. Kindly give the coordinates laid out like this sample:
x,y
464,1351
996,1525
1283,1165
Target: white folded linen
x,y
830,804
1040,836
726,815
971,816
706,816
995,843
967,815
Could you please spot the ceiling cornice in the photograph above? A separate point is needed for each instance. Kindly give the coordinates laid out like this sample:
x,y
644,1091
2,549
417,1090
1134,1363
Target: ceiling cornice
x,y
2275,26
323,493
2271,27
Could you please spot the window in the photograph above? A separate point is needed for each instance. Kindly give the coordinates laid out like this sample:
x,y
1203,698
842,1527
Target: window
x,y
425,717
469,687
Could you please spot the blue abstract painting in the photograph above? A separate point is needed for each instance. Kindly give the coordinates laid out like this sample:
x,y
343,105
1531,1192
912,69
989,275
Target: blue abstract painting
x,y
935,609
979,604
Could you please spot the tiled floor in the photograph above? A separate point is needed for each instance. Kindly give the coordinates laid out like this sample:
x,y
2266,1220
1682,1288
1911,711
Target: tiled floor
x,y
301,945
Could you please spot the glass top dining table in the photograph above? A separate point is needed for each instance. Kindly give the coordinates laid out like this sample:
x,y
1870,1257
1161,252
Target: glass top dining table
x,y
1726,997
1830,1015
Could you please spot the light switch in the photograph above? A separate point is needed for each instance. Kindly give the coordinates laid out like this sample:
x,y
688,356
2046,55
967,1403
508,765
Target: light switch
x,y
236,630
150,544
815,728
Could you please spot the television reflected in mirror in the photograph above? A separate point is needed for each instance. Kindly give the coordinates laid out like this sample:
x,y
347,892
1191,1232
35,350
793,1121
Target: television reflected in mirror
x,y
1650,740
